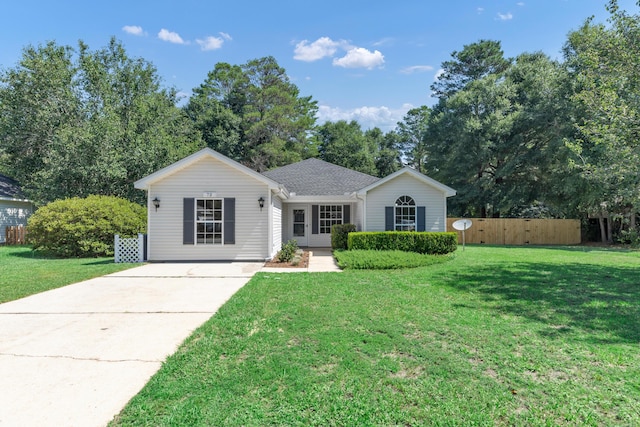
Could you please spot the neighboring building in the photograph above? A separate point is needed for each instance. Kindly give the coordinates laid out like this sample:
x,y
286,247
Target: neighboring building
x,y
15,209
213,208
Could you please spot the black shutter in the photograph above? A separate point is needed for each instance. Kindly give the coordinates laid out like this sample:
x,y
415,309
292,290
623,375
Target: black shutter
x,y
346,214
188,218
389,220
314,219
421,218
229,221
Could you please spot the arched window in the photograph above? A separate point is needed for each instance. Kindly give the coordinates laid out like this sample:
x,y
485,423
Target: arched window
x,y
405,214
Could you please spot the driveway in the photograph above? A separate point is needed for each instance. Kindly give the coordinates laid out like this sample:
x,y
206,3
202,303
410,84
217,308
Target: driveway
x,y
74,356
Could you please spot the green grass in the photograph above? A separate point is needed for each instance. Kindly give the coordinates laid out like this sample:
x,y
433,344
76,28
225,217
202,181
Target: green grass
x,y
385,260
495,336
24,272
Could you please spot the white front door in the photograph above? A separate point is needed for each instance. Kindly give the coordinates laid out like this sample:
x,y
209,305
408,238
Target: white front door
x,y
298,225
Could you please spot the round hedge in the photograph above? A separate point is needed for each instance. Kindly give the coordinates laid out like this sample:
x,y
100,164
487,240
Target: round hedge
x,y
84,227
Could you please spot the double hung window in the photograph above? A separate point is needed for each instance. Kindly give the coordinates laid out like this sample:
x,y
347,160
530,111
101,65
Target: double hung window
x,y
209,221
328,216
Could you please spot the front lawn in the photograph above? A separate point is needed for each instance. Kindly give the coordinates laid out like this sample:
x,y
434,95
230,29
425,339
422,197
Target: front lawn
x,y
24,272
493,336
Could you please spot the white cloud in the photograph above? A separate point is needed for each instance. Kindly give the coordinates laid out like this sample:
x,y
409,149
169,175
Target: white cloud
x,y
520,3
133,29
416,69
225,36
325,47
171,37
210,43
438,74
384,118
359,57
505,16
480,10
321,48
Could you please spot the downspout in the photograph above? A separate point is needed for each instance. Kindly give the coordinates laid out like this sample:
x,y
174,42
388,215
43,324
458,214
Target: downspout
x,y
363,197
269,224
148,254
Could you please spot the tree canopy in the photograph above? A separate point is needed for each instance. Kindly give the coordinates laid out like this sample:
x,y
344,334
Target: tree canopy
x,y
75,122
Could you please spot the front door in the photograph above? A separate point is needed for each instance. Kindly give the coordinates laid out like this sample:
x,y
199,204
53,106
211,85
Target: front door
x,y
299,225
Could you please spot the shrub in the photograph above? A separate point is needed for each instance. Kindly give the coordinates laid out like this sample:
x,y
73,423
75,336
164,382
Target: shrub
x,y
433,243
630,237
84,227
288,251
386,260
339,233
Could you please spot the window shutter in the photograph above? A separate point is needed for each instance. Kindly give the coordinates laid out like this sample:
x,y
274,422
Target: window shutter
x,y
188,218
346,214
314,219
388,219
421,218
229,221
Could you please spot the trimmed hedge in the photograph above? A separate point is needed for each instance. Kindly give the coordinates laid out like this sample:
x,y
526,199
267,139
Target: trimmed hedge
x,y
433,243
78,227
339,233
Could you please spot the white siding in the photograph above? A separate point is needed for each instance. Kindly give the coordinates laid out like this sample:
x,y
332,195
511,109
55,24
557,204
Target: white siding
x,y
276,220
386,194
208,175
13,212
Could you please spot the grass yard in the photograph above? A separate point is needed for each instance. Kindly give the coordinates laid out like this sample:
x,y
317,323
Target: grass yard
x,y
25,273
494,336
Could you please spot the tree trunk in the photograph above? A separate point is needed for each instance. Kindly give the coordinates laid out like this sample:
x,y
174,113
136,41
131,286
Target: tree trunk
x,y
603,229
609,229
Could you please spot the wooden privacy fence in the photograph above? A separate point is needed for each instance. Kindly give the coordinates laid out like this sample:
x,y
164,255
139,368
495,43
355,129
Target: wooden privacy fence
x,y
519,231
15,235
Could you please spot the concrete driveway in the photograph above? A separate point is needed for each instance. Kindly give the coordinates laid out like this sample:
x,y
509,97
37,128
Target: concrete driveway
x,y
74,356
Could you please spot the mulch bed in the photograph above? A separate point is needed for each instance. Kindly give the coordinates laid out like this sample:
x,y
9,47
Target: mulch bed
x,y
304,262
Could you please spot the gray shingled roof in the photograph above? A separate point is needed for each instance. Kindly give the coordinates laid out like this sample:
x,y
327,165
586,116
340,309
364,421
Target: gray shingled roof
x,y
9,188
315,177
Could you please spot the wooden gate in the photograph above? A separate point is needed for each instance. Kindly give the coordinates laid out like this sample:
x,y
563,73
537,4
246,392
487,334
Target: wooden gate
x,y
519,231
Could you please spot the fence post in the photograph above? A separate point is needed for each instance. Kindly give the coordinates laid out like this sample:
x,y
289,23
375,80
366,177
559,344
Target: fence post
x,y
140,247
116,248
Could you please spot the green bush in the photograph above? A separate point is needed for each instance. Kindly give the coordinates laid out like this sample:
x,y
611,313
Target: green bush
x,y
288,251
386,260
433,243
84,227
339,233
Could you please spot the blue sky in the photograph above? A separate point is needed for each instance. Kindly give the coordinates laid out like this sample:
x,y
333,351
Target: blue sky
x,y
365,60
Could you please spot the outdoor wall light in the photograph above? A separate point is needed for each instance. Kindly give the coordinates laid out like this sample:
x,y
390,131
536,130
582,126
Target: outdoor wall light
x,y
261,203
156,203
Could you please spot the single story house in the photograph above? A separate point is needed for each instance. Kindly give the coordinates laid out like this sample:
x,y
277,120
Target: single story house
x,y
15,209
210,207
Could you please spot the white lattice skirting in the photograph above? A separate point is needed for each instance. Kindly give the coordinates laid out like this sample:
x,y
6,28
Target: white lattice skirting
x,y
130,249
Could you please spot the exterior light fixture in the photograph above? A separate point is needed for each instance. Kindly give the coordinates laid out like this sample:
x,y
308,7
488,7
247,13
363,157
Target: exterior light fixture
x,y
261,203
156,203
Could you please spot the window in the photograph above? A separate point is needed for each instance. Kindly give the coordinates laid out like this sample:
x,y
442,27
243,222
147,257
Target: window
x,y
209,221
328,216
405,214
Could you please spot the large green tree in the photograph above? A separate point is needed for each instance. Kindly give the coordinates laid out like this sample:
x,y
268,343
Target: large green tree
x,y
412,136
254,114
81,122
493,139
605,69
473,62
344,143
